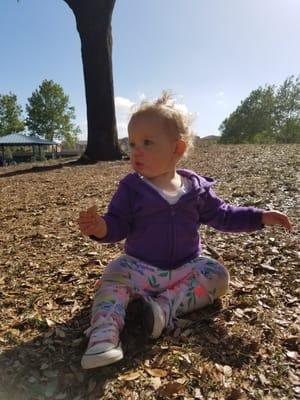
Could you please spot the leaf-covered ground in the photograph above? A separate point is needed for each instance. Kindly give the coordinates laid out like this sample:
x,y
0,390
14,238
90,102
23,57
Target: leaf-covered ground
x,y
244,347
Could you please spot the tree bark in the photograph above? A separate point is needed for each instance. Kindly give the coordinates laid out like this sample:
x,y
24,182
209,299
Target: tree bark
x,y
93,19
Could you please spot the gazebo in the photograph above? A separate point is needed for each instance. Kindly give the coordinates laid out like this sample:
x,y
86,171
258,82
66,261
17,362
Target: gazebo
x,y
18,139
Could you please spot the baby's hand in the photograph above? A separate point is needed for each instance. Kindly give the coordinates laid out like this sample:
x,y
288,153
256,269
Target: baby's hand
x,y
276,218
90,223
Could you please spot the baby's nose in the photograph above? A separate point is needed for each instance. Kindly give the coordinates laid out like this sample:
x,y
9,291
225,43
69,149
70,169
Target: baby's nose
x,y
138,150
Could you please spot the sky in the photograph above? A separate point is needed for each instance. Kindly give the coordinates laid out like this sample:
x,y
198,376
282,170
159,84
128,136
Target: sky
x,y
210,53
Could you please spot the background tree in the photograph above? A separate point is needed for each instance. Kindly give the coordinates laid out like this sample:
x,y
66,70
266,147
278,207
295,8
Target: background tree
x,y
267,115
10,115
287,111
93,18
50,115
253,116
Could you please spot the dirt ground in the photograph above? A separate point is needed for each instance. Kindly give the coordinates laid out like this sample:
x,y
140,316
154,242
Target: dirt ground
x,y
243,347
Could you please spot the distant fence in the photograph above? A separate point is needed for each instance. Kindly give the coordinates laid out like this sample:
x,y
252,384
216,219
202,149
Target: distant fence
x,y
24,156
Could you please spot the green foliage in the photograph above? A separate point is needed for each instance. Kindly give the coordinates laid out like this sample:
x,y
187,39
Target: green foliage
x,y
287,111
50,115
10,115
267,115
8,154
264,137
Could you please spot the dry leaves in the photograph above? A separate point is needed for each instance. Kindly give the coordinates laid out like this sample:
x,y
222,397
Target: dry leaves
x,y
246,347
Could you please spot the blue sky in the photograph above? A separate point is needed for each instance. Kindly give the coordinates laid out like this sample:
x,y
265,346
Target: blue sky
x,y
210,53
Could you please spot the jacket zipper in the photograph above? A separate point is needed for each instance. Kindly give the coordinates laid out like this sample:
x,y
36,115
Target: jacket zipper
x,y
173,234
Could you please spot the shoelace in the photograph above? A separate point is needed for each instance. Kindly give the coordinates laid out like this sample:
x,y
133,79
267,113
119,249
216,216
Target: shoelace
x,y
105,330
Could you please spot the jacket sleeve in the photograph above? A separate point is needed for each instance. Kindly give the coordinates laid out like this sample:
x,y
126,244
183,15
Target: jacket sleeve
x,y
118,217
216,213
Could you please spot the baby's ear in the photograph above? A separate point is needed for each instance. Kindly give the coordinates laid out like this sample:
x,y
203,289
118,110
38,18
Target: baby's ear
x,y
180,147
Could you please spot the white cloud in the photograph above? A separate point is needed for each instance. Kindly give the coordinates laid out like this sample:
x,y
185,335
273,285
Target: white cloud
x,y
122,104
122,129
221,101
83,127
124,108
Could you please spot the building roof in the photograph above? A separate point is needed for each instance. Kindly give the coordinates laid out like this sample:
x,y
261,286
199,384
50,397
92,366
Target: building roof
x,y
18,139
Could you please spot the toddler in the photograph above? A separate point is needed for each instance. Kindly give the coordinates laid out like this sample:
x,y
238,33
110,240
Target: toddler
x,y
158,210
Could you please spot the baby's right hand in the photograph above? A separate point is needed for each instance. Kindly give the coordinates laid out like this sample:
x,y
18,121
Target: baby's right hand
x,y
92,224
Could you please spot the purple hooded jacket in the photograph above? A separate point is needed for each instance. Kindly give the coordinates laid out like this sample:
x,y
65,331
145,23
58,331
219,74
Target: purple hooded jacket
x,y
165,235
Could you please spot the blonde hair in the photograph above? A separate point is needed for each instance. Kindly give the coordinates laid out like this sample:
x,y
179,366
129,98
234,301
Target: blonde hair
x,y
177,121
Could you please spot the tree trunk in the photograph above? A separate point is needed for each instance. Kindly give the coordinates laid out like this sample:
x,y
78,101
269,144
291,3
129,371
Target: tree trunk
x,y
93,18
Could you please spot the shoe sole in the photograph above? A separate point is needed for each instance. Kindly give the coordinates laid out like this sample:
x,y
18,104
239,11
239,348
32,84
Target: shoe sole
x,y
89,361
153,330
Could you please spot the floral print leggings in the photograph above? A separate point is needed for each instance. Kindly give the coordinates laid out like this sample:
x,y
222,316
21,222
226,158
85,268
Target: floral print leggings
x,y
189,287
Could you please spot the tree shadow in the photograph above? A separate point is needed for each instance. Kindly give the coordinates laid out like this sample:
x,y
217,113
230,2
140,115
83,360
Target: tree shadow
x,y
223,348
41,168
211,339
79,162
49,365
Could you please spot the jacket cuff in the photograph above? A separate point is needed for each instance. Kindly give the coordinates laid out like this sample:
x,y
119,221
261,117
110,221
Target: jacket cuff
x,y
257,218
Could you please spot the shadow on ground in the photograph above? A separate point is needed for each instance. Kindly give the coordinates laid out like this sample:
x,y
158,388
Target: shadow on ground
x,y
49,365
39,168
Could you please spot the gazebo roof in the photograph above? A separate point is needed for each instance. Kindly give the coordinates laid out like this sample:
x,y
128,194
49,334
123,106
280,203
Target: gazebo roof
x,y
18,139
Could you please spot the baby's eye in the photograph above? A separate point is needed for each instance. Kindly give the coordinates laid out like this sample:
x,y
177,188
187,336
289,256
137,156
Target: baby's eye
x,y
131,145
147,142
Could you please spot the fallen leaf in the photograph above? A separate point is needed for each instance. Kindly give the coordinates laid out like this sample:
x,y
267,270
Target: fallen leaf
x,y
227,371
155,382
293,355
157,372
171,388
264,381
130,376
267,267
293,378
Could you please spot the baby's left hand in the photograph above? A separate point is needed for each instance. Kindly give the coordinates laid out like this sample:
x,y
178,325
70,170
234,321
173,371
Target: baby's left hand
x,y
276,218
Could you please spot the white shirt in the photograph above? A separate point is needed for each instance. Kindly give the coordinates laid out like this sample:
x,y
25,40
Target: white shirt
x,y
172,196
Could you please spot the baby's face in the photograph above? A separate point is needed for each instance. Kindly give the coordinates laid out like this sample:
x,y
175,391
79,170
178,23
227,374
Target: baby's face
x,y
153,148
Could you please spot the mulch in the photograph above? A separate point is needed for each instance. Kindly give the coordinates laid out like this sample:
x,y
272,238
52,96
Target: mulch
x,y
243,347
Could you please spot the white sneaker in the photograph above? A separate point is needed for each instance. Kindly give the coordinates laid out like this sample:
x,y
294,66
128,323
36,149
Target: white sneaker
x,y
154,318
101,354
